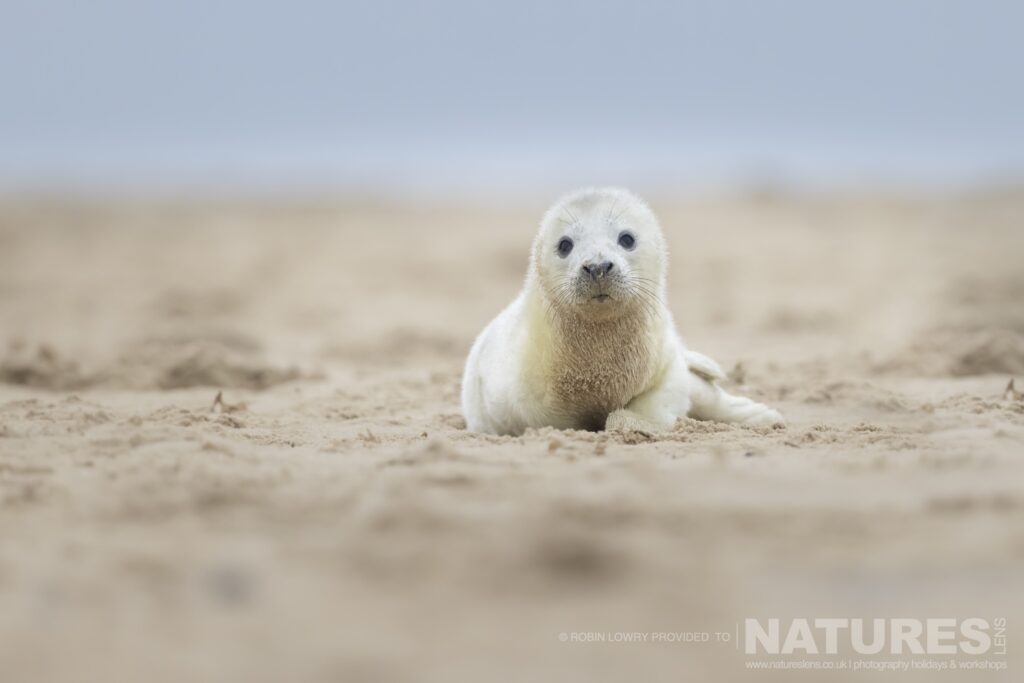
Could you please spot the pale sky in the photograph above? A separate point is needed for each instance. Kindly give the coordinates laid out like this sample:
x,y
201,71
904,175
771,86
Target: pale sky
x,y
456,95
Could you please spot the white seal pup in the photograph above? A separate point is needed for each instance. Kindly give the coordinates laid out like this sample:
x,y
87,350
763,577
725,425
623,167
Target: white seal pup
x,y
589,343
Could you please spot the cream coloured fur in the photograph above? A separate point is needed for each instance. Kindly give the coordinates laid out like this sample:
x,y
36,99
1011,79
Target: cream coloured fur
x,y
589,343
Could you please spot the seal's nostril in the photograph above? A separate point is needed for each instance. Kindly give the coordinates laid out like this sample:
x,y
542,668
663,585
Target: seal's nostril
x,y
596,270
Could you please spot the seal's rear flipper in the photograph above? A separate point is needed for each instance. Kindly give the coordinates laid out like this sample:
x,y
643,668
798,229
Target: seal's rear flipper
x,y
711,402
703,367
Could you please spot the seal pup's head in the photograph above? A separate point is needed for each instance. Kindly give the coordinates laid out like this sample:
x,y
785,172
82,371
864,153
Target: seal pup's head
x,y
600,254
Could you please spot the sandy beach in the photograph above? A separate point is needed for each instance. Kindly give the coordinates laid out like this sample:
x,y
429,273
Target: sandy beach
x,y
231,446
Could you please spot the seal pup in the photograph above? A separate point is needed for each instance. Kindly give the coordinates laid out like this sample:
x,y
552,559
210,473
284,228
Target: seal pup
x,y
589,342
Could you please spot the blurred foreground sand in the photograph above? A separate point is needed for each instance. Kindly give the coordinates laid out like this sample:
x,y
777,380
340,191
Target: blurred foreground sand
x,y
332,520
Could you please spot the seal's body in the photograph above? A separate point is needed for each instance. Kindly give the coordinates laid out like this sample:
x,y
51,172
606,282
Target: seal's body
x,y
589,343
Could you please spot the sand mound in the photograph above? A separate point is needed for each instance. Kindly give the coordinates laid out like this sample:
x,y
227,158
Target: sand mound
x,y
960,353
160,363
990,300
39,366
179,363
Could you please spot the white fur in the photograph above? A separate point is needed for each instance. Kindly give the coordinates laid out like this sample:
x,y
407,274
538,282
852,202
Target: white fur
x,y
580,352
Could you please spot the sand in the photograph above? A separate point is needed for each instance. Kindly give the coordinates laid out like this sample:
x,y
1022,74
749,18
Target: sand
x,y
329,518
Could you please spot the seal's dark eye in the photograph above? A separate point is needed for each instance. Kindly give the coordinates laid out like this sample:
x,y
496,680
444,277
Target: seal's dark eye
x,y
564,247
627,241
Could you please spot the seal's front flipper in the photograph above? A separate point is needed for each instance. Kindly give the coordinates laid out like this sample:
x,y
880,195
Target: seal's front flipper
x,y
626,420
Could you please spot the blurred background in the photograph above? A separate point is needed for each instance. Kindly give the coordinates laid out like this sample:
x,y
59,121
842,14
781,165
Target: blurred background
x,y
461,98
245,248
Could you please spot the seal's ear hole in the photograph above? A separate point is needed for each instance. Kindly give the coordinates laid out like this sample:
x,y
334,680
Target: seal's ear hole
x,y
627,241
564,247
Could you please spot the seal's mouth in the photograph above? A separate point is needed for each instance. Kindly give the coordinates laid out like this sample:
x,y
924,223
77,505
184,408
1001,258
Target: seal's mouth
x,y
601,297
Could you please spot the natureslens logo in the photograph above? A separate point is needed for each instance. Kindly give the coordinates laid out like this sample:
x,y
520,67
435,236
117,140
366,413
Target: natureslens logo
x,y
896,636
836,644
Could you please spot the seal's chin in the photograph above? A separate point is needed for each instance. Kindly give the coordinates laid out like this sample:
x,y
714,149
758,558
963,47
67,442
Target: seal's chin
x,y
607,300
603,299
604,294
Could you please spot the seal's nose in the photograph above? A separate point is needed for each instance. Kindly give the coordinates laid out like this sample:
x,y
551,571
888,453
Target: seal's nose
x,y
596,270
